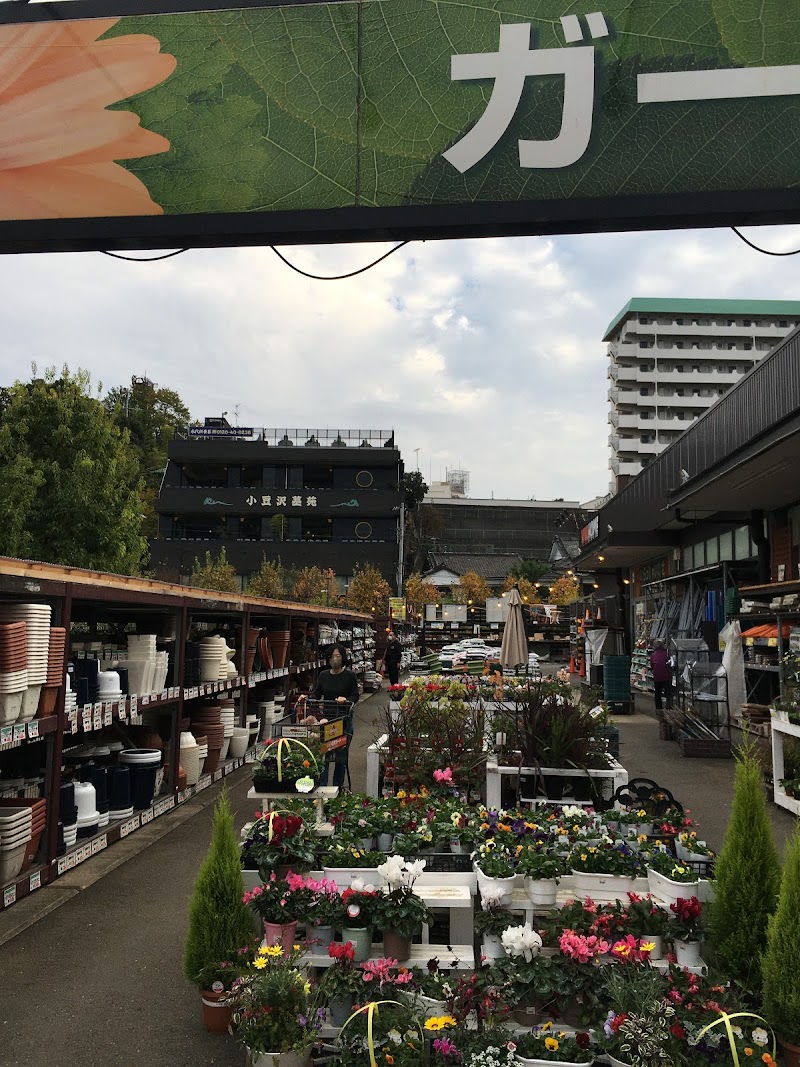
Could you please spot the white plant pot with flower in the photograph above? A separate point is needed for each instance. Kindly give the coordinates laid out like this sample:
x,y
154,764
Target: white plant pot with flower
x,y
603,888
688,953
500,890
668,890
529,1061
280,1059
492,947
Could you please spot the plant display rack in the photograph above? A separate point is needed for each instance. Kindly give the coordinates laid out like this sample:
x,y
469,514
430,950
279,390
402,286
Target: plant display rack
x,y
780,731
91,603
640,664
611,779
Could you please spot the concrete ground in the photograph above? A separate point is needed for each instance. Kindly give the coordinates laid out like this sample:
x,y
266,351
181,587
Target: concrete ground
x,y
91,966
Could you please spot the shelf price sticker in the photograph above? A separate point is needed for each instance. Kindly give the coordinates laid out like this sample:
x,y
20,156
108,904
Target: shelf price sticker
x,y
97,708
133,703
146,816
145,699
35,882
20,731
9,896
97,720
164,694
33,729
86,720
108,713
217,774
6,735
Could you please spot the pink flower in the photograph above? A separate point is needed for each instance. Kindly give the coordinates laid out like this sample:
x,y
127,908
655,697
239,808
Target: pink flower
x,y
59,142
445,776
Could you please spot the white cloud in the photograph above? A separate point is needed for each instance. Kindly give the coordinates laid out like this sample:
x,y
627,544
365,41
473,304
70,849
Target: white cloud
x,y
485,355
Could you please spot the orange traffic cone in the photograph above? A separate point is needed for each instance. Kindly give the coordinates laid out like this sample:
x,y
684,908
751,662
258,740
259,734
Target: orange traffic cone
x,y
582,666
571,664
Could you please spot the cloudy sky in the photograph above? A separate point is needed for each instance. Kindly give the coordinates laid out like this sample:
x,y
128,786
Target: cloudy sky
x,y
484,355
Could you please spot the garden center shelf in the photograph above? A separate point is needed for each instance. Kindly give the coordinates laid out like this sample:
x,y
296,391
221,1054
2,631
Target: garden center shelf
x,y
781,730
99,612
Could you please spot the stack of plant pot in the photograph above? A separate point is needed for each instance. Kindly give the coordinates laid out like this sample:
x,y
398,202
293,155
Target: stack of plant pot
x,y
228,715
206,721
251,646
15,834
13,670
38,808
55,667
264,651
279,646
68,813
190,757
37,627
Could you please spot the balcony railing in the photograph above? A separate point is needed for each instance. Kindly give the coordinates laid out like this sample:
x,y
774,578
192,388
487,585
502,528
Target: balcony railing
x,y
288,438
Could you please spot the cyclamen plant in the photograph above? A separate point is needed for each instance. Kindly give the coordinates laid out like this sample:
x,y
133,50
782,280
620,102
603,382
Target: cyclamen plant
x,y
688,916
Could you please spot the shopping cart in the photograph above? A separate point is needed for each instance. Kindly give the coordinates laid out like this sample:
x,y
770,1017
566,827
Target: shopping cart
x,y
321,717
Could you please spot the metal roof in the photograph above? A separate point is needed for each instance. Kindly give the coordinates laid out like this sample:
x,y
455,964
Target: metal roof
x,y
656,306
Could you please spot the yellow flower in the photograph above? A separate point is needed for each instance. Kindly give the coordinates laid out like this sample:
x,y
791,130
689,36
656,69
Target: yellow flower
x,y
271,950
748,1052
401,793
546,1026
551,1044
583,856
519,849
642,837
439,1022
260,963
647,946
306,988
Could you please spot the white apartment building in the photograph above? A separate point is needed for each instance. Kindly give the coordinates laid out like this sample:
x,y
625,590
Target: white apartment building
x,y
669,360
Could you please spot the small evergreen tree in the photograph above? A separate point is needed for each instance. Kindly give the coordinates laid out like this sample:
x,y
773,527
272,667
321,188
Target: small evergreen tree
x,y
215,573
219,922
747,877
781,973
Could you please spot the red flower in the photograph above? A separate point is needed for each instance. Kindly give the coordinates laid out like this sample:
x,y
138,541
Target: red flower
x,y
617,1022
582,1040
677,1031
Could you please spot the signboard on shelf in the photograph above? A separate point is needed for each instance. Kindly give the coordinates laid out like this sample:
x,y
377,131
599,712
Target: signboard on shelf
x,y
326,122
397,608
330,746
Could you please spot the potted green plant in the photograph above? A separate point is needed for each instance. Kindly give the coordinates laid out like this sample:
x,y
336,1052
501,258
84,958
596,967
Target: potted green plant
x,y
218,979
547,1044
323,914
385,1030
277,1013
780,964
491,919
433,988
277,842
219,922
280,902
541,870
400,912
637,1027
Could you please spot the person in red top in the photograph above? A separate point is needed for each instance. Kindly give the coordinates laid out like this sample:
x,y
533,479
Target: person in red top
x,y
662,675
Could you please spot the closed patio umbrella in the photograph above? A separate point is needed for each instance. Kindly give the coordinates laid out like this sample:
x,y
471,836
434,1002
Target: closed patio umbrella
x,y
514,649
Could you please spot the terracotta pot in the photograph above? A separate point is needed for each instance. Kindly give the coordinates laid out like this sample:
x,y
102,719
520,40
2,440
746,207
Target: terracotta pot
x,y
395,946
791,1054
283,934
47,701
211,761
216,1015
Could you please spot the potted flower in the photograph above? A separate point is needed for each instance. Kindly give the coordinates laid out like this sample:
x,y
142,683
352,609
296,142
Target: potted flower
x,y
635,822
686,930
386,1031
544,1044
490,922
219,923
277,842
218,979
400,912
276,1012
489,1048
286,766
637,1027
541,871
647,921
280,902
342,984
521,941
323,915
360,901
606,871
433,987
384,823
495,870
670,878
689,849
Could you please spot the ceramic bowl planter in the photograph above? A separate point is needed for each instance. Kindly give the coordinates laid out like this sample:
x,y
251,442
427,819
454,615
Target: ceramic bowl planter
x,y
283,934
340,1009
432,1008
396,947
278,1059
603,888
384,842
502,886
492,947
541,892
321,938
527,1061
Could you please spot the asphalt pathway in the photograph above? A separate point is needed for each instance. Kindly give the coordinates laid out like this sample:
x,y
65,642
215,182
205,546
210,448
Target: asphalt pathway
x,y
90,968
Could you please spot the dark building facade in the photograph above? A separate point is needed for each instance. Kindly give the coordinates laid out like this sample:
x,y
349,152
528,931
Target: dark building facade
x,y
325,498
498,527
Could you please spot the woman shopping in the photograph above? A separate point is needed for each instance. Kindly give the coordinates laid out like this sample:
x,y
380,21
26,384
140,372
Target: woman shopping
x,y
339,686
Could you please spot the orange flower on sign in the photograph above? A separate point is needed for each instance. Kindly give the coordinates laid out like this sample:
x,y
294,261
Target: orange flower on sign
x,y
58,142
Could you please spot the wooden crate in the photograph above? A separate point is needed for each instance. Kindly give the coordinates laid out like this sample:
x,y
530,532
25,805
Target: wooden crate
x,y
704,748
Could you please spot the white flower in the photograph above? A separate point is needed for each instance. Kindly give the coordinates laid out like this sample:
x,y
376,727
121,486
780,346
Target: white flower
x,y
395,1037
392,871
521,941
760,1035
415,869
737,1032
491,896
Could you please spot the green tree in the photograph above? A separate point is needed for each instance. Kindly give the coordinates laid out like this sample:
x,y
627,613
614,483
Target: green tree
x,y
215,573
369,591
424,525
219,922
564,591
151,415
269,581
414,490
420,592
280,525
69,480
310,586
746,877
781,974
530,569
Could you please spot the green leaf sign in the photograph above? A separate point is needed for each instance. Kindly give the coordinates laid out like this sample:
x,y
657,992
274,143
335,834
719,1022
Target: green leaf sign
x,y
318,121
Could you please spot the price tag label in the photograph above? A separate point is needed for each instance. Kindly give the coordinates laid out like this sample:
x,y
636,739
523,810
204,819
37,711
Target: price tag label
x,y
62,865
183,797
108,715
164,694
145,699
6,735
20,732
133,703
97,709
9,896
251,683
33,729
35,881
146,817
217,775
87,720
72,859
95,846
97,720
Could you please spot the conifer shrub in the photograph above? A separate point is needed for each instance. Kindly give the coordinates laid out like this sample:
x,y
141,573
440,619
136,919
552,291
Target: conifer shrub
x,y
747,877
781,963
219,922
